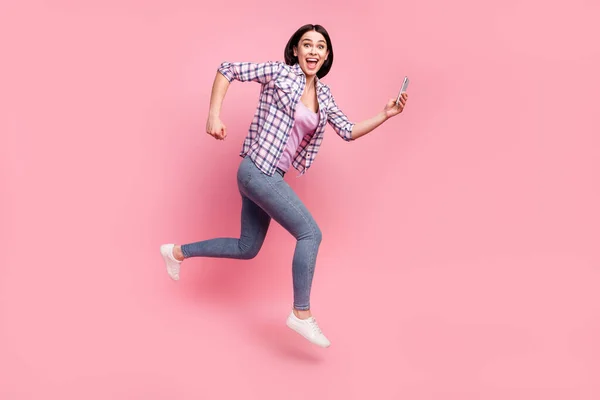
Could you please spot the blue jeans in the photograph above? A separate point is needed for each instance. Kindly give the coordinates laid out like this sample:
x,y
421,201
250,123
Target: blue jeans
x,y
264,198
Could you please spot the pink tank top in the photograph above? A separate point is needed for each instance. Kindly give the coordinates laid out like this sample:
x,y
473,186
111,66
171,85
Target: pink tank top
x,y
305,122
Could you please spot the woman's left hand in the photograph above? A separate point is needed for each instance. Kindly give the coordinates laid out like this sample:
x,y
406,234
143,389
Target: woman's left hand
x,y
391,109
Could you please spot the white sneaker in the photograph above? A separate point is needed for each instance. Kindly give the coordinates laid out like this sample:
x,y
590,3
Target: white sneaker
x,y
309,329
173,265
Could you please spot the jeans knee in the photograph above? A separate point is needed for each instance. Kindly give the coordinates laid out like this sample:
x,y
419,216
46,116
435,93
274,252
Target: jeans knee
x,y
318,235
249,252
312,233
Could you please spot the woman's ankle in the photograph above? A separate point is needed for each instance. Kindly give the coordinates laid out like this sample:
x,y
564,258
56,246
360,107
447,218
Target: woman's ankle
x,y
302,314
177,253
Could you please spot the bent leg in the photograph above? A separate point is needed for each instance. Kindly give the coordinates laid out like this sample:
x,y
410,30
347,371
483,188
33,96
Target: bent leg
x,y
279,200
254,226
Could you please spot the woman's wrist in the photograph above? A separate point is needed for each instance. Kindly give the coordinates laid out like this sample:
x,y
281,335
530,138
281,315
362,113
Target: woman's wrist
x,y
383,116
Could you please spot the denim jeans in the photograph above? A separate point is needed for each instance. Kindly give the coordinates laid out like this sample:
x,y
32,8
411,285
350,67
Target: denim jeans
x,y
264,198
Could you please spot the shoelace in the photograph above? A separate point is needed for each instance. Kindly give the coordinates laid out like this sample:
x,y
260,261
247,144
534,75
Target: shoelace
x,y
314,325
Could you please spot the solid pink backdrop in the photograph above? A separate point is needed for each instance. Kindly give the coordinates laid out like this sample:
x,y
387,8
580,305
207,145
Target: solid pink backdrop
x,y
460,257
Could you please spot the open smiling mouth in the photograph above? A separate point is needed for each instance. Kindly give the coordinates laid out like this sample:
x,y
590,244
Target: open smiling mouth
x,y
312,62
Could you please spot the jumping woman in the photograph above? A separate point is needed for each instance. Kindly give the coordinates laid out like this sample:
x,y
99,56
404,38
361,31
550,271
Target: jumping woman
x,y
287,129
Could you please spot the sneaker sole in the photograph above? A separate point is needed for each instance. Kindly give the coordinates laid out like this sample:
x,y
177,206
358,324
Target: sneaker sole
x,y
165,256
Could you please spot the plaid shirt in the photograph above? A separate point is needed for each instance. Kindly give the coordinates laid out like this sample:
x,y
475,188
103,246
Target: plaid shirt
x,y
282,86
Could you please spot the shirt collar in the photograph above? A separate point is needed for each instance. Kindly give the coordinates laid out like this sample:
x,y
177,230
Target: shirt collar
x,y
298,70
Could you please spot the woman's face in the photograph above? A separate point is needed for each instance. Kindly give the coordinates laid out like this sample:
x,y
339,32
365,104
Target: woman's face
x,y
311,52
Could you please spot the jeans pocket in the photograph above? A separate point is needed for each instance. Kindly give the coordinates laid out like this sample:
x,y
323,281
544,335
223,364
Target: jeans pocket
x,y
244,175
246,179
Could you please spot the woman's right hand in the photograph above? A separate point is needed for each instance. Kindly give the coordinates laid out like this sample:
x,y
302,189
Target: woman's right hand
x,y
216,128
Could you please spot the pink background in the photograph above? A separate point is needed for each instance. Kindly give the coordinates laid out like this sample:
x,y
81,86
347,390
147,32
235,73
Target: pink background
x,y
460,257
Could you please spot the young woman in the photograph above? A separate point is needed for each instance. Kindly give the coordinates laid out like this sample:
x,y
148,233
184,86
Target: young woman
x,y
287,130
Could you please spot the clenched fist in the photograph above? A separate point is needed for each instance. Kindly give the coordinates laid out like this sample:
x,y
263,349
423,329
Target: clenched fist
x,y
216,128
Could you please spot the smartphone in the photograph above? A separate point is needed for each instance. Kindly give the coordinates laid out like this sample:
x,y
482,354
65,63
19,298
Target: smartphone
x,y
404,87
